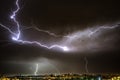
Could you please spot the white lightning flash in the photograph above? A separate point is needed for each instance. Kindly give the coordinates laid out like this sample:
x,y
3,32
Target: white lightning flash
x,y
36,69
101,28
47,32
17,23
16,36
44,31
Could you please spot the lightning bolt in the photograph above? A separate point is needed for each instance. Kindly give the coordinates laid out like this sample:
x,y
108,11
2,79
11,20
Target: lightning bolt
x,y
17,23
101,28
86,64
16,36
36,69
47,32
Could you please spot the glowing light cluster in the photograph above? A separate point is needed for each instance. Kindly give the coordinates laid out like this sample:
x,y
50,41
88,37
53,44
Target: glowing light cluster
x,y
115,78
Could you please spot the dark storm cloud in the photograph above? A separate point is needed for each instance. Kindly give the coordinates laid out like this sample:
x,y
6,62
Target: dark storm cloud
x,y
69,12
61,17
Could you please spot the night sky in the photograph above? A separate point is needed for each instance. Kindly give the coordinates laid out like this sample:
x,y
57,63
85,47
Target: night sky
x,y
63,18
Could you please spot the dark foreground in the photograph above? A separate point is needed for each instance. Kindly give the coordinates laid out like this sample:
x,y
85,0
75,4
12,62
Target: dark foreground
x,y
63,77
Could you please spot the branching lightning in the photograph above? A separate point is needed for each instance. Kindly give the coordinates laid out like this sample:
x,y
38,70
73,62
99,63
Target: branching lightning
x,y
16,36
101,28
17,23
7,29
48,47
47,32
